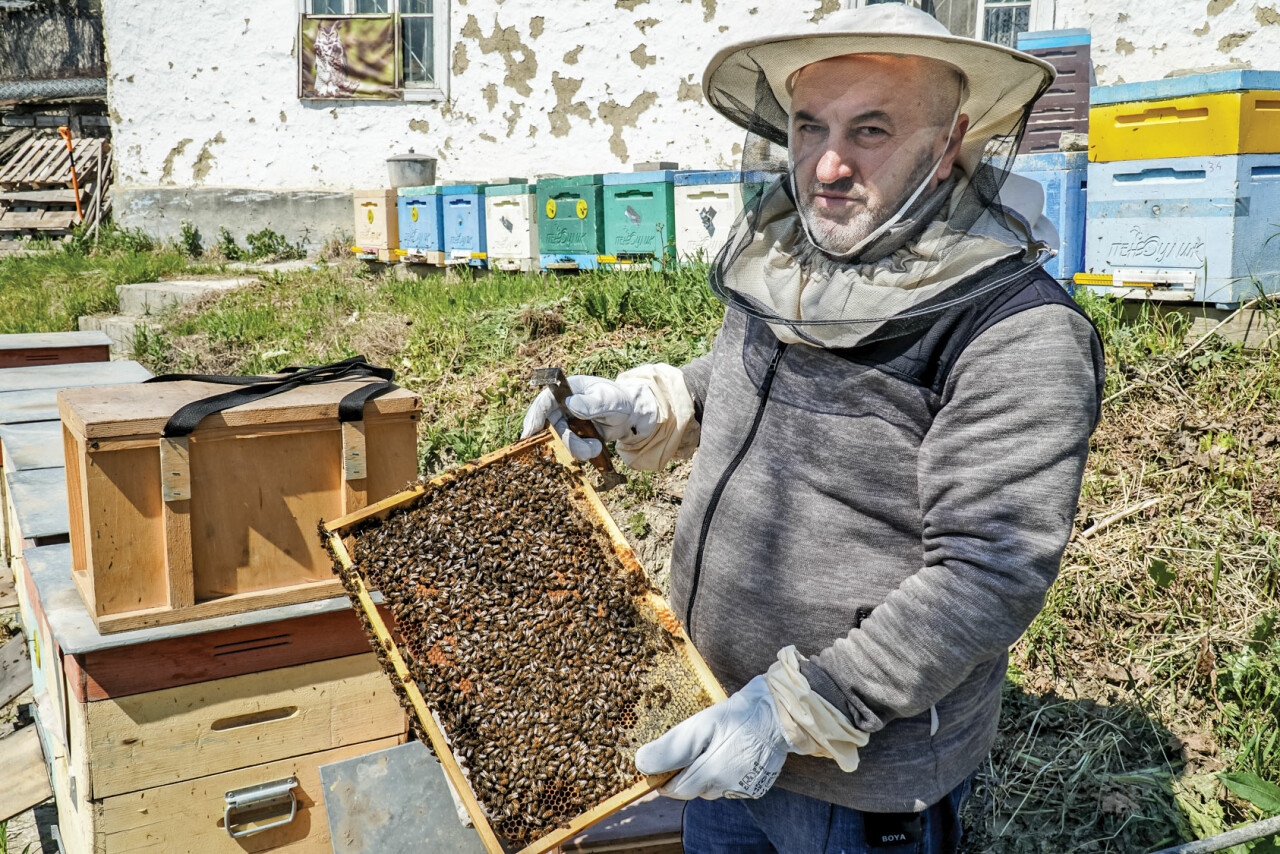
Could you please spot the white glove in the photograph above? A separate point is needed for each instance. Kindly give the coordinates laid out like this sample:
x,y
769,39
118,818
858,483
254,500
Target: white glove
x,y
734,749
626,409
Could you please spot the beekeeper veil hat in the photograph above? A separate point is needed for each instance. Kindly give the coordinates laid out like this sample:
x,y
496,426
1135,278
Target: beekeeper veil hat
x,y
874,181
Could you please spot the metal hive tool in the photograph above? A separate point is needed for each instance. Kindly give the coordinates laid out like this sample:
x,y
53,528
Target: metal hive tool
x,y
527,643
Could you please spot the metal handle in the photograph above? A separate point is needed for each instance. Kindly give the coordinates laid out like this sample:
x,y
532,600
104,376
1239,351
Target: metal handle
x,y
259,798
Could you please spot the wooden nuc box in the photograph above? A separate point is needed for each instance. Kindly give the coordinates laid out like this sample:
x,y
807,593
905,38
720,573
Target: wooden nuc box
x,y
223,520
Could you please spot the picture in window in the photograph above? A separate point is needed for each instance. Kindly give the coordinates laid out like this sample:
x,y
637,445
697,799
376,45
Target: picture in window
x,y
348,58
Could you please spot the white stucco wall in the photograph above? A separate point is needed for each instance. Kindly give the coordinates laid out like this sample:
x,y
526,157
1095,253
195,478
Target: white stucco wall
x,y
208,97
1134,41
204,99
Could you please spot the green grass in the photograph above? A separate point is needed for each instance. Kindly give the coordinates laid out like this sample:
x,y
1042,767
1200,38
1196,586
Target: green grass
x,y
48,291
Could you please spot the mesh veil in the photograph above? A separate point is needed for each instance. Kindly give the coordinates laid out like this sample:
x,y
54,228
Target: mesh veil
x,y
917,244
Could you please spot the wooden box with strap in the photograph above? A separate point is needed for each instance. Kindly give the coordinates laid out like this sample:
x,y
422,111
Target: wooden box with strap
x,y
198,496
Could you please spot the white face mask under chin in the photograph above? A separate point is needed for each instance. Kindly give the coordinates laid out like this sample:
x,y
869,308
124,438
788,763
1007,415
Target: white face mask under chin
x,y
888,223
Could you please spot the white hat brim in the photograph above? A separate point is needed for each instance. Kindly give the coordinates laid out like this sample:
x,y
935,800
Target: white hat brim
x,y
1002,82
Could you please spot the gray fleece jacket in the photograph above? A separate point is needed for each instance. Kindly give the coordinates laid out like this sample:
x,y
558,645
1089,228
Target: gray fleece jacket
x,y
897,512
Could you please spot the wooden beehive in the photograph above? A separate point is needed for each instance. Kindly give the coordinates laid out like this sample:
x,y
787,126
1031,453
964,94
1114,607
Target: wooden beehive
x,y
696,685
224,520
376,223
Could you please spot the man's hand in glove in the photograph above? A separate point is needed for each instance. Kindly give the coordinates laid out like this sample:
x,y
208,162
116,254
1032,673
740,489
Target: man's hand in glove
x,y
623,410
734,749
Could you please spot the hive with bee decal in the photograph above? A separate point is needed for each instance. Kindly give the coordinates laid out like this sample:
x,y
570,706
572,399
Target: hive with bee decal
x,y
528,644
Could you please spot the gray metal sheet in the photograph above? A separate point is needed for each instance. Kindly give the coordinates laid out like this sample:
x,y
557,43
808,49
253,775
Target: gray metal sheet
x,y
39,404
48,340
35,445
393,800
39,499
73,375
71,627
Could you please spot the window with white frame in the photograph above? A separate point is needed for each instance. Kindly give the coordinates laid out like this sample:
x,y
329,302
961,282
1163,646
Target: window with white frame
x,y
421,31
1000,21
997,21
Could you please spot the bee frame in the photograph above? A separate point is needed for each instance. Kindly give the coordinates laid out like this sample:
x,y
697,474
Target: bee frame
x,y
594,510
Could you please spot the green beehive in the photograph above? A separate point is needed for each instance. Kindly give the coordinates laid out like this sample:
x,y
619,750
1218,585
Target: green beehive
x,y
571,216
640,217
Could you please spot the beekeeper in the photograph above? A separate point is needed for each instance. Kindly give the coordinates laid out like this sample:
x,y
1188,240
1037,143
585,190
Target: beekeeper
x,y
891,430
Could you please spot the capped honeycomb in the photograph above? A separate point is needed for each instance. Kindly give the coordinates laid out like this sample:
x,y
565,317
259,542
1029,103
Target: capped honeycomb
x,y
545,661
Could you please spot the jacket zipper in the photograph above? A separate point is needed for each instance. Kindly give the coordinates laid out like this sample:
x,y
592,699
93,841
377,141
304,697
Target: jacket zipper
x,y
763,394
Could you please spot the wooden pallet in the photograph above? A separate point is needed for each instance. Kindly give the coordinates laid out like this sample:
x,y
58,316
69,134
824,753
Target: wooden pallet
x,y
36,196
338,532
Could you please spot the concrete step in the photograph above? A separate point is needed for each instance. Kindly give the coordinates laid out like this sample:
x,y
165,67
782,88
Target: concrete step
x,y
291,266
122,329
154,297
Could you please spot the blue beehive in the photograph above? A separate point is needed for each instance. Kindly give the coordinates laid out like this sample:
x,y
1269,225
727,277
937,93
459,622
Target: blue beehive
x,y
419,210
1191,228
463,216
1064,179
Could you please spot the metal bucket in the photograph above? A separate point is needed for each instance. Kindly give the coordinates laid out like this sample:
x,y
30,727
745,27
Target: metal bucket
x,y
411,170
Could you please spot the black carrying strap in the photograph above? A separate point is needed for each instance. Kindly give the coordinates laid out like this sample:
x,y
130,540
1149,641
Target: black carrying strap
x,y
251,388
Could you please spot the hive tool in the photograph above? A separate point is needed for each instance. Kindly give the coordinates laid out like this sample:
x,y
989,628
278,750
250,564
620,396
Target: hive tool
x,y
555,379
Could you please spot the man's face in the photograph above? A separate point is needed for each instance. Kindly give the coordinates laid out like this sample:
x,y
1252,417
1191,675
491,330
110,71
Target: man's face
x,y
866,131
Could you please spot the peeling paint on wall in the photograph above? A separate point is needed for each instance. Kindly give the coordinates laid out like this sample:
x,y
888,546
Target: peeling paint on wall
x,y
565,88
571,58
644,24
1201,31
641,57
512,118
618,117
629,5
490,94
1266,16
419,125
536,26
1226,44
166,176
1124,47
708,11
505,41
825,9
1217,7
283,117
204,160
460,61
689,91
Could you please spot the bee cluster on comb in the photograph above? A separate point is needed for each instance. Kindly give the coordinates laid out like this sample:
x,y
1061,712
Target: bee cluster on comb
x,y
538,652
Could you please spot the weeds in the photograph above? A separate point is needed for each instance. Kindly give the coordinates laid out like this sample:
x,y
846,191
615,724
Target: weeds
x,y
189,240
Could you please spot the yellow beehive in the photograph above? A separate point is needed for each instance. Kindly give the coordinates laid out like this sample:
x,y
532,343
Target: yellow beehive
x,y
1190,126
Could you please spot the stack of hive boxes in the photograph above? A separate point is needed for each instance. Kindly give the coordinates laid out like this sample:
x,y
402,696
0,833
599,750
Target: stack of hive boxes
x,y
1064,108
194,660
1184,188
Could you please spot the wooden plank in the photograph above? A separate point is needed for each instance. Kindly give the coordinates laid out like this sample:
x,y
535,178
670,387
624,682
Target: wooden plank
x,y
39,501
42,220
8,588
15,669
33,445
179,568
72,376
26,779
187,817
41,197
147,740
169,663
52,340
132,411
225,606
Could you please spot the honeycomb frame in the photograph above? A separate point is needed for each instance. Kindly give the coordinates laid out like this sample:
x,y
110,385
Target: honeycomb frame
x,y
339,538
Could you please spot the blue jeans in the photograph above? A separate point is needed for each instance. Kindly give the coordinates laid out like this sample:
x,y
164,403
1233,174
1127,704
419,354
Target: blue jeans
x,y
784,822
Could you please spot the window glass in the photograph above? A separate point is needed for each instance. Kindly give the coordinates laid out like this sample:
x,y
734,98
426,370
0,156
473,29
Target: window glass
x,y
373,7
419,50
326,7
416,7
1002,21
